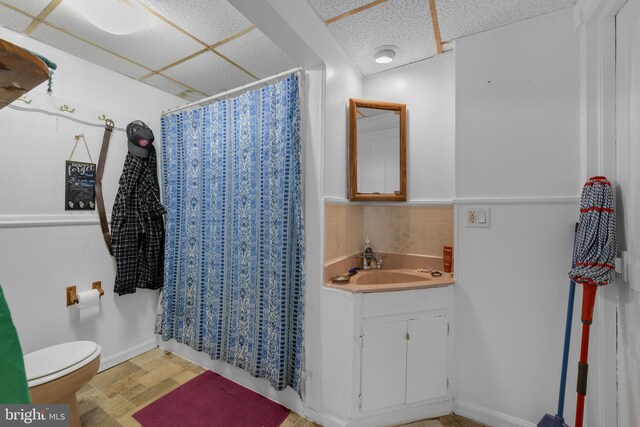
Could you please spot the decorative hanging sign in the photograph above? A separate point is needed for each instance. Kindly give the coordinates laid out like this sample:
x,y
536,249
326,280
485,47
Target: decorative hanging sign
x,y
80,182
80,191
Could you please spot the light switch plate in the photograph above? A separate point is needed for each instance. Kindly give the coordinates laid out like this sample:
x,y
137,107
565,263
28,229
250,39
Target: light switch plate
x,y
478,216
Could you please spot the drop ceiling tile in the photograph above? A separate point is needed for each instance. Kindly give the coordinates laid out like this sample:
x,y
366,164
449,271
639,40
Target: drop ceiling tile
x,y
258,54
208,73
458,18
402,23
165,84
83,50
208,20
328,9
154,45
13,20
32,7
191,95
169,86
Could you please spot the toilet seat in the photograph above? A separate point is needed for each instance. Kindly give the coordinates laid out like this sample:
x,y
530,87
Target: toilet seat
x,y
54,362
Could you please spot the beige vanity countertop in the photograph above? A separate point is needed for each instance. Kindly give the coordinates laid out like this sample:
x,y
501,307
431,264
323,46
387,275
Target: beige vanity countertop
x,y
447,279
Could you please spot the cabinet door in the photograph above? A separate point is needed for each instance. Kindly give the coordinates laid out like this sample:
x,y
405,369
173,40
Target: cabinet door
x,y
383,372
427,358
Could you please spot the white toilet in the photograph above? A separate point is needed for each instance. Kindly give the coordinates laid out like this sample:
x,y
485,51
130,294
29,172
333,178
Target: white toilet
x,y
56,373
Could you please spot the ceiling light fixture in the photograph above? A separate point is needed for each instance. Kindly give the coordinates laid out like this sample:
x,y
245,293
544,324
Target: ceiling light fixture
x,y
120,17
385,54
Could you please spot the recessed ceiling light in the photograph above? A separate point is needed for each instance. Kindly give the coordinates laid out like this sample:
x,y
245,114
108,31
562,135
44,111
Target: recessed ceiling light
x,y
385,54
118,17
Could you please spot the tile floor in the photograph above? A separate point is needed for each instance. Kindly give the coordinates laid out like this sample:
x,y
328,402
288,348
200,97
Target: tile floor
x,y
113,396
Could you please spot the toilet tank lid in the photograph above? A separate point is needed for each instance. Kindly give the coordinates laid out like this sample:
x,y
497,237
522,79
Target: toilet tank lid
x,y
52,359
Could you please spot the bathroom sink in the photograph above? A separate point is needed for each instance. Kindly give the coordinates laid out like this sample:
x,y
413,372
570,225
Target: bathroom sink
x,y
377,277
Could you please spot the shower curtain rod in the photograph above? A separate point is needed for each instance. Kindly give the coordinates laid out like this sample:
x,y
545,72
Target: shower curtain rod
x,y
229,92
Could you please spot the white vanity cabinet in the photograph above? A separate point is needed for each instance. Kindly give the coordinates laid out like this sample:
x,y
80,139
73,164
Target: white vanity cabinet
x,y
386,355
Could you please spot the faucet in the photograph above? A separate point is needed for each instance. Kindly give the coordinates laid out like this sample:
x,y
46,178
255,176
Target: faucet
x,y
378,259
366,262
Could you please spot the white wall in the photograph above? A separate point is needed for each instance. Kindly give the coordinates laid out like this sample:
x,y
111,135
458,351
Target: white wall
x,y
43,248
518,152
428,89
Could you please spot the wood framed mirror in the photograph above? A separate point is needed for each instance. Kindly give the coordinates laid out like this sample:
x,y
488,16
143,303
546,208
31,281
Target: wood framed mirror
x,y
377,151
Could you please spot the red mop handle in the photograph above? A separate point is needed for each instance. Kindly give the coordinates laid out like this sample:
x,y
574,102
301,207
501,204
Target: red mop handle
x,y
588,302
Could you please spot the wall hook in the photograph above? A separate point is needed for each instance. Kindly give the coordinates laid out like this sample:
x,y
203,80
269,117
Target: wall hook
x,y
107,120
25,99
67,109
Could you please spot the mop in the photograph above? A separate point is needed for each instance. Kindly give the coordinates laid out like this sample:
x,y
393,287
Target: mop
x,y
594,254
594,249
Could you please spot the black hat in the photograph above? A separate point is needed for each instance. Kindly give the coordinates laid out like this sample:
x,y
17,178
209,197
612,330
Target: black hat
x,y
140,138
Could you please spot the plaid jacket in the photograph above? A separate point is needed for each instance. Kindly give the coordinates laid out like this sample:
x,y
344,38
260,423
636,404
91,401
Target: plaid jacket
x,y
137,227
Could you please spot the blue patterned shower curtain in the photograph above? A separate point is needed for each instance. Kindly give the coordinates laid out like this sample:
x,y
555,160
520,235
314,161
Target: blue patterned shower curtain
x,y
234,258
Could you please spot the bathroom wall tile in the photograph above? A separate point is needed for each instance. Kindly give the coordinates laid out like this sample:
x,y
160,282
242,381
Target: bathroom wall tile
x,y
355,226
329,246
421,213
433,247
418,238
340,238
336,212
431,230
343,229
443,214
391,228
330,213
445,232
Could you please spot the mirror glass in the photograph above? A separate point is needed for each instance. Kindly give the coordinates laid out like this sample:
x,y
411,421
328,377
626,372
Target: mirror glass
x,y
377,151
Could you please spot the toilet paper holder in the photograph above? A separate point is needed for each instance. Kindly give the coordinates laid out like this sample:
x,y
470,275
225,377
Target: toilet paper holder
x,y
72,295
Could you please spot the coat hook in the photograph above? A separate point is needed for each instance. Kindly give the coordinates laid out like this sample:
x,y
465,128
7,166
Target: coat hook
x,y
25,99
66,108
104,117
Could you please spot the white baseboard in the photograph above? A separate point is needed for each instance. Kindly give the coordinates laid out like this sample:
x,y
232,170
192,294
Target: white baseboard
x,y
325,420
124,355
488,416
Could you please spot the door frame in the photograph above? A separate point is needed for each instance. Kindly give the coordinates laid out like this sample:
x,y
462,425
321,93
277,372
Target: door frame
x,y
595,20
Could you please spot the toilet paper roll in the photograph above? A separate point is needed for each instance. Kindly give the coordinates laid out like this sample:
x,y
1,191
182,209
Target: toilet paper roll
x,y
88,305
